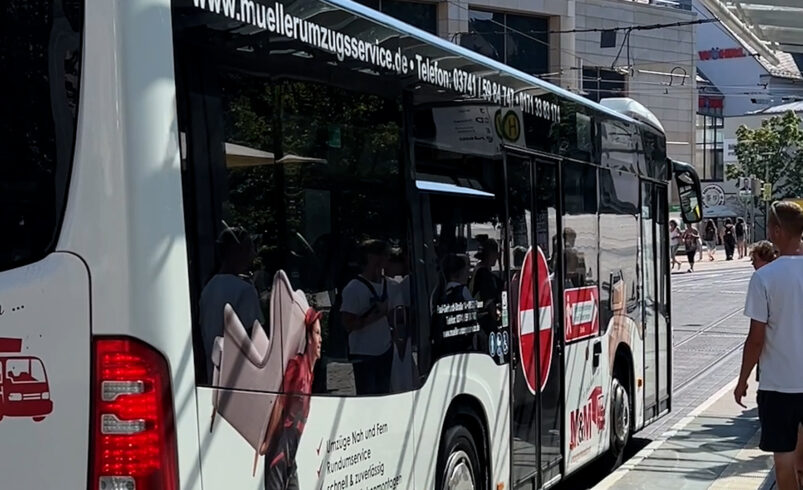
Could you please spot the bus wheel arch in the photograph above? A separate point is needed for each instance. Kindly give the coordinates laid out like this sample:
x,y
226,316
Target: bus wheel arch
x,y
464,432
621,411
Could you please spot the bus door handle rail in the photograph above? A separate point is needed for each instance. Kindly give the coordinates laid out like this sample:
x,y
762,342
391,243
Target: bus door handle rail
x,y
597,353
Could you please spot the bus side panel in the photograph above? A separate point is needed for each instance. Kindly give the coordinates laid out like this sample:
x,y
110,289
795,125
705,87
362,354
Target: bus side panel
x,y
477,376
345,443
44,374
124,216
587,403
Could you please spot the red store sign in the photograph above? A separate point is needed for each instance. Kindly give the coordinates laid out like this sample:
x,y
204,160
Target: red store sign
x,y
720,54
706,102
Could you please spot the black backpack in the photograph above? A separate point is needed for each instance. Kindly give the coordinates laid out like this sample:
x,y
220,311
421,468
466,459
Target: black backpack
x,y
710,233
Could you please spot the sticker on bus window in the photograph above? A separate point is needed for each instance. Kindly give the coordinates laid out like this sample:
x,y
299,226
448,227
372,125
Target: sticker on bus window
x,y
582,313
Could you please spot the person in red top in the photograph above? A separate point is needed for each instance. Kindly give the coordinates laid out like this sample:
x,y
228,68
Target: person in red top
x,y
291,411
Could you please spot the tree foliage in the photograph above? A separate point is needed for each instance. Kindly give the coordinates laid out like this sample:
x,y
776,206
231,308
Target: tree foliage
x,y
772,152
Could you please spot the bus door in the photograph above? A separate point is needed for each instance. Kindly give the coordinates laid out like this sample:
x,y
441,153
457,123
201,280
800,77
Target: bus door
x,y
533,221
655,313
586,363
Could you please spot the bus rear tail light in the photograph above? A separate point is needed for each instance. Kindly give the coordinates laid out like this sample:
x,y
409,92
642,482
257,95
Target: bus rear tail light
x,y
133,436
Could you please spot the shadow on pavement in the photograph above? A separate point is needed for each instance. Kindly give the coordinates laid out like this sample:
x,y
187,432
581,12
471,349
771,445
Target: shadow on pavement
x,y
595,472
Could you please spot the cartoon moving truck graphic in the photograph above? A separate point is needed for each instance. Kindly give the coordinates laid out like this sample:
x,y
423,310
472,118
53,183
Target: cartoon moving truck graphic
x,y
24,391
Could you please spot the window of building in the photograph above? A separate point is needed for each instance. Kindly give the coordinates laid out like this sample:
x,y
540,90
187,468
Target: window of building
x,y
418,14
40,56
601,83
709,157
516,40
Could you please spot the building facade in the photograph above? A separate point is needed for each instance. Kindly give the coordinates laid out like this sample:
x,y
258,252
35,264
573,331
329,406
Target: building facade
x,y
562,41
737,86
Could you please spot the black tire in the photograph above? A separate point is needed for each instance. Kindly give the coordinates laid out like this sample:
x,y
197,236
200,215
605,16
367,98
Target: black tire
x,y
620,421
458,461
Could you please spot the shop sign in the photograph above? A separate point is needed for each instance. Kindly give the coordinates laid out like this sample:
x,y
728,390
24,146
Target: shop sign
x,y
721,54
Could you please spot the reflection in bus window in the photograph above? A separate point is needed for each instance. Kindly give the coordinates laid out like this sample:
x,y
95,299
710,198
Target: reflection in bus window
x,y
465,278
304,194
580,225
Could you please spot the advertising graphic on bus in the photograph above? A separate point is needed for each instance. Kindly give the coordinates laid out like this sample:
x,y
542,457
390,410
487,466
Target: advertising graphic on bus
x,y
582,315
24,391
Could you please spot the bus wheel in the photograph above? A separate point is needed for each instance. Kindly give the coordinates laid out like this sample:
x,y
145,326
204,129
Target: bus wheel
x,y
458,460
38,419
620,421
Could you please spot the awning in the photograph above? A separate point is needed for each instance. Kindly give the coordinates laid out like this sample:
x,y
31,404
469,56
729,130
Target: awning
x,y
239,156
766,25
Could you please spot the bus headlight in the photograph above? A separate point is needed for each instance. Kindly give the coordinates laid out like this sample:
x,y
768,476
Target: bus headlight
x,y
46,395
15,397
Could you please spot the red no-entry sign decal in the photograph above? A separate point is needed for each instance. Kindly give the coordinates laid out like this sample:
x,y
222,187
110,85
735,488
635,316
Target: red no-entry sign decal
x,y
527,320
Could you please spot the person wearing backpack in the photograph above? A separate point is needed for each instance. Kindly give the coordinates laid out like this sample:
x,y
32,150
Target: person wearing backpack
x,y
729,239
364,312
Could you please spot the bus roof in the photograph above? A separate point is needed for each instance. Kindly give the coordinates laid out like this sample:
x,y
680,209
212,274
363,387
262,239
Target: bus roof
x,y
477,58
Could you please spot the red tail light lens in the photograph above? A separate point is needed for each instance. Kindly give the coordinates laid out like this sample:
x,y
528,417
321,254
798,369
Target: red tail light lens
x,y
133,434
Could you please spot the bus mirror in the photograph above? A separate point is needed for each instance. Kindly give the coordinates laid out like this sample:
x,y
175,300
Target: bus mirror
x,y
689,192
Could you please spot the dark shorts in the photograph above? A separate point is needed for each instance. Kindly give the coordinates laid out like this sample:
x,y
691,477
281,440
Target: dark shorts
x,y
780,415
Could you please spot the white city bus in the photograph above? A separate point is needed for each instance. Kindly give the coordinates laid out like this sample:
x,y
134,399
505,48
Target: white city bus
x,y
299,244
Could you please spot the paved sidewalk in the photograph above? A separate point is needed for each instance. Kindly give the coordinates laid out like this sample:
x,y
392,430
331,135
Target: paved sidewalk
x,y
715,447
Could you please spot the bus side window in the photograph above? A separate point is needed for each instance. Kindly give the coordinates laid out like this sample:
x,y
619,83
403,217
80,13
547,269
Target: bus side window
x,y
309,224
619,239
580,244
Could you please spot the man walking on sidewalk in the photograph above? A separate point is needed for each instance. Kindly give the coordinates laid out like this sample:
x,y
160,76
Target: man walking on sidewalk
x,y
774,305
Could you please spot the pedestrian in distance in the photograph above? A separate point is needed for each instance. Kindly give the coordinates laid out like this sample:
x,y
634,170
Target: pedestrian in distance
x,y
710,238
691,240
741,241
675,240
775,340
729,239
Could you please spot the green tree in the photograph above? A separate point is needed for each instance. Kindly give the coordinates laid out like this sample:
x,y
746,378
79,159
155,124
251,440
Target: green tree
x,y
774,153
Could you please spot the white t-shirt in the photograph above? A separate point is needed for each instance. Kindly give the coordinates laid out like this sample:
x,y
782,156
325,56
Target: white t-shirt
x,y
373,339
775,297
674,237
222,289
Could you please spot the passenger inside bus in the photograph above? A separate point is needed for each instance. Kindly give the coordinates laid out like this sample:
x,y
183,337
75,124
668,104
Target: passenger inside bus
x,y
403,370
364,313
486,285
